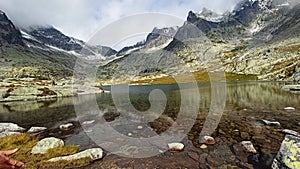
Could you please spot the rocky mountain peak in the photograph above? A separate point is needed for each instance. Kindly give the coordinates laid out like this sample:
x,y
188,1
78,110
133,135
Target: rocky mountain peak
x,y
192,17
160,36
9,34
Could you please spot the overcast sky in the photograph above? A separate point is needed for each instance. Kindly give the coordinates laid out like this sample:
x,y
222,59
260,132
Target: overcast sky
x,y
82,18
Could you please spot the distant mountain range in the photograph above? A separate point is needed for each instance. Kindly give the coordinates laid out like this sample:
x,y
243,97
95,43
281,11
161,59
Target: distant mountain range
x,y
259,37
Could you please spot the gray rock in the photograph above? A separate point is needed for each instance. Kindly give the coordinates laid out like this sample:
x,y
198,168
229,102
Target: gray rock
x,y
271,123
288,156
8,133
36,129
45,144
66,126
11,127
291,132
94,154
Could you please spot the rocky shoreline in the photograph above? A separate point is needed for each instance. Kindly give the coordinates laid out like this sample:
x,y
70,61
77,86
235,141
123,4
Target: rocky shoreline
x,y
27,89
239,142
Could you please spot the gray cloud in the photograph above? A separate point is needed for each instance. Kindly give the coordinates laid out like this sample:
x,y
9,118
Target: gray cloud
x,y
81,18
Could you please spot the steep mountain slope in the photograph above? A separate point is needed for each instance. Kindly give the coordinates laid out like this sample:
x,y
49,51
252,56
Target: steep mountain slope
x,y
9,35
54,39
19,61
42,52
157,39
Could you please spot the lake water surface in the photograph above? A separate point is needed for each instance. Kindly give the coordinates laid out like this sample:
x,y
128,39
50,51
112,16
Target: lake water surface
x,y
246,105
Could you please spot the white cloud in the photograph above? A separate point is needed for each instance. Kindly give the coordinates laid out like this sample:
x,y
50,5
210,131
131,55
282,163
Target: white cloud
x,y
82,18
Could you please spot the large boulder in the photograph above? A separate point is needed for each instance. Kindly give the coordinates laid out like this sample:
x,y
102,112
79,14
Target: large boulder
x,y
7,129
93,154
288,156
11,127
45,144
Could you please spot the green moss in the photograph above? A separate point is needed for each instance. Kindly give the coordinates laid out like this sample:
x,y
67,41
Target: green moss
x,y
25,142
61,151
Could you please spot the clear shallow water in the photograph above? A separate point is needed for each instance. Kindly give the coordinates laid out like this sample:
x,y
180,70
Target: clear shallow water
x,y
252,100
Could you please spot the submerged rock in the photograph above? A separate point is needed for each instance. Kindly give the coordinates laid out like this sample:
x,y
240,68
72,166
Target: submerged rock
x,y
289,108
243,150
36,129
203,146
111,116
88,122
176,146
207,140
248,146
288,156
45,144
93,154
66,126
271,123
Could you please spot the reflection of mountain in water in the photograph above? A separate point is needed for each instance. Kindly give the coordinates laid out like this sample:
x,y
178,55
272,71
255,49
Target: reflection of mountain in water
x,y
264,96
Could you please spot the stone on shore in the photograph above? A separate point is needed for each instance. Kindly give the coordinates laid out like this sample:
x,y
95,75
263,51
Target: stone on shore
x,y
8,133
45,144
176,146
291,132
288,156
36,129
11,127
93,154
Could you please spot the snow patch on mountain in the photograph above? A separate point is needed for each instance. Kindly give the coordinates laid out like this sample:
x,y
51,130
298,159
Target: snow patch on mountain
x,y
62,50
209,15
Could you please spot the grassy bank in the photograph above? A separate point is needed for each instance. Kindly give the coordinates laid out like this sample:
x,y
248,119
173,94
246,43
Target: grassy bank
x,y
25,142
199,76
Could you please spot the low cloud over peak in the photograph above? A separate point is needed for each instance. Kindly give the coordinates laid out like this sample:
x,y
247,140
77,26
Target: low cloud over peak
x,y
81,18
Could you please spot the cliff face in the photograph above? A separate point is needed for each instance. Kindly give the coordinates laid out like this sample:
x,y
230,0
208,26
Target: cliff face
x,y
9,35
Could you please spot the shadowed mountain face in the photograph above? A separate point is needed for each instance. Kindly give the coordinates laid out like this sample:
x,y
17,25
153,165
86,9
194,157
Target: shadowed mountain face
x,y
9,35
